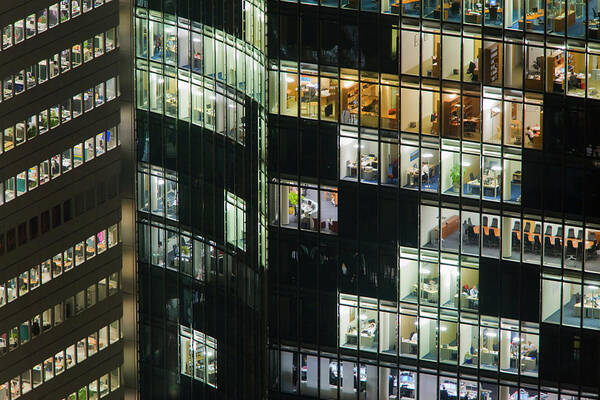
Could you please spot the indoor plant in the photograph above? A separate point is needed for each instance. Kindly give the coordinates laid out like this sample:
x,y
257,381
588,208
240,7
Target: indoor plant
x,y
455,176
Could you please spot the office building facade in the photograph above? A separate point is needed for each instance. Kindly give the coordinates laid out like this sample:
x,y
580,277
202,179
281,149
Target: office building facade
x,y
199,122
60,204
433,181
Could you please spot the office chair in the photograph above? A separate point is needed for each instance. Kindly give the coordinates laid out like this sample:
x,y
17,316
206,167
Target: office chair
x,y
537,229
516,242
571,234
527,227
495,238
548,248
579,251
527,244
494,222
548,230
571,250
580,234
471,177
559,231
484,221
537,244
517,226
558,246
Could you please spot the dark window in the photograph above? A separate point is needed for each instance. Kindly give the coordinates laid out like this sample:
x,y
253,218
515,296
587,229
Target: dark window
x,y
34,227
56,216
22,231
101,193
45,221
67,213
489,286
79,204
11,240
329,42
90,198
1,244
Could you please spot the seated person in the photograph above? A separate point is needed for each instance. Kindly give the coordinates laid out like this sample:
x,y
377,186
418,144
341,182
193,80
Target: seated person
x,y
474,292
413,337
370,329
529,350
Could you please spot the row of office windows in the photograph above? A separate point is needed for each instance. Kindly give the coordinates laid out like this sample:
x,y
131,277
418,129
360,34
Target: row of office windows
x,y
17,134
57,64
59,313
179,251
469,341
98,388
158,192
198,355
573,17
200,102
54,267
305,206
46,18
490,177
327,376
551,242
571,301
67,358
492,118
200,50
61,163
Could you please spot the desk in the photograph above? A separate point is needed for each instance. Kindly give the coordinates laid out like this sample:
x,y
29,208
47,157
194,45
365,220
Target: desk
x,y
365,340
590,309
429,292
559,21
468,301
408,347
450,226
489,357
528,363
530,18
449,352
405,3
477,183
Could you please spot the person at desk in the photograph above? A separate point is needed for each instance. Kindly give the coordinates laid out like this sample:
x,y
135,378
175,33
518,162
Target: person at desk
x,y
530,134
473,292
529,350
197,61
414,337
370,329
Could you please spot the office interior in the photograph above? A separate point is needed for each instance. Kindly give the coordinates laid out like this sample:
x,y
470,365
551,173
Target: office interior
x,y
579,304
306,207
550,242
307,374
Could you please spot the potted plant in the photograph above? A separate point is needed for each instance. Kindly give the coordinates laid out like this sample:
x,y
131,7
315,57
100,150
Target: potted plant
x,y
293,198
53,118
455,176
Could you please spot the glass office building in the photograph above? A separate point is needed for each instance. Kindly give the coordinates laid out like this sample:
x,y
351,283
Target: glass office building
x,y
200,133
61,290
433,188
